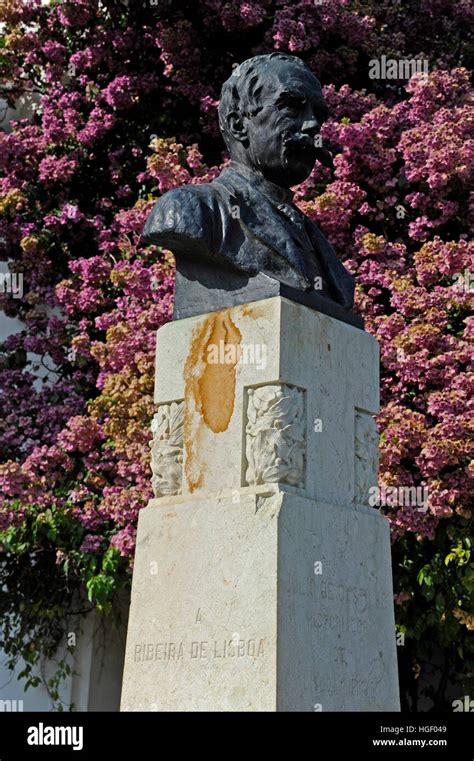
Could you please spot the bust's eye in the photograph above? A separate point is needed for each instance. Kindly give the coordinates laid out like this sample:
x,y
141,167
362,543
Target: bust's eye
x,y
292,103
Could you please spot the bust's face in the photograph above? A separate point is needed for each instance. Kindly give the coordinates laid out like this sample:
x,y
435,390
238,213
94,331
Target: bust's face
x,y
281,136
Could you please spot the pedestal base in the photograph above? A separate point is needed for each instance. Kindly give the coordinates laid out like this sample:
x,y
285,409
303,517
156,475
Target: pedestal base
x,y
261,600
262,577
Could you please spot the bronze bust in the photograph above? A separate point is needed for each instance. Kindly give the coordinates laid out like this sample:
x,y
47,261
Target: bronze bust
x,y
240,238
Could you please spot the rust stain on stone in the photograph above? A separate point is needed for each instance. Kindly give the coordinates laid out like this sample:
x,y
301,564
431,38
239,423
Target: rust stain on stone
x,y
217,382
209,376
254,312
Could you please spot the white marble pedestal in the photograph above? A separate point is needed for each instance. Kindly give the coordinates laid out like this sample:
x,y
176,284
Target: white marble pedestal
x,y
262,578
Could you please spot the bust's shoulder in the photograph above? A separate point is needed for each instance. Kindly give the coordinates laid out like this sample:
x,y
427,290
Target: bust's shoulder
x,y
192,211
195,195
186,200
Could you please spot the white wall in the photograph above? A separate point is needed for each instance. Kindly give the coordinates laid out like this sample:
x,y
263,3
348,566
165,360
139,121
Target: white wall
x,y
96,682
98,657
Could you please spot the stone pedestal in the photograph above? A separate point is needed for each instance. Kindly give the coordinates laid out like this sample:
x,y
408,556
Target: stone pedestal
x,y
262,578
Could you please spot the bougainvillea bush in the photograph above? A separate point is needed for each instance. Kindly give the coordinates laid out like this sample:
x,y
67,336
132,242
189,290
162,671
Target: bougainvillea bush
x,y
125,97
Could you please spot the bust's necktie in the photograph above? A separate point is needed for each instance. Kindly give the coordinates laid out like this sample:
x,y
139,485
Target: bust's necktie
x,y
299,234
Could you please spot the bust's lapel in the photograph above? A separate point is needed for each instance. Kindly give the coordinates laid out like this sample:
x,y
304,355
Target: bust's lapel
x,y
307,253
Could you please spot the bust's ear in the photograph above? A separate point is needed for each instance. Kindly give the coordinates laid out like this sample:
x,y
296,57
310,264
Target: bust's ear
x,y
237,126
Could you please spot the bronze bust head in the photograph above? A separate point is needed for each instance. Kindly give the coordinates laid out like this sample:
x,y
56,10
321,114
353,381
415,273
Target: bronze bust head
x,y
240,238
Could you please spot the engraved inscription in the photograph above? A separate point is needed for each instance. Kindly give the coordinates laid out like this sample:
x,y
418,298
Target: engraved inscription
x,y
366,456
338,607
199,650
167,449
356,685
340,622
359,599
275,435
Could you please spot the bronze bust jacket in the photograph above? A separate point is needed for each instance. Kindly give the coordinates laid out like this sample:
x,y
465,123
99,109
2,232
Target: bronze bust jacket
x,y
244,223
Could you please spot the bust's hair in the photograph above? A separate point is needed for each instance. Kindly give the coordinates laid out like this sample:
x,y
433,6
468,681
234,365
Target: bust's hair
x,y
241,91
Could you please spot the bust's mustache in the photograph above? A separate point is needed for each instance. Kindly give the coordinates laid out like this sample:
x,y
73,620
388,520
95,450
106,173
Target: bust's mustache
x,y
299,140
294,141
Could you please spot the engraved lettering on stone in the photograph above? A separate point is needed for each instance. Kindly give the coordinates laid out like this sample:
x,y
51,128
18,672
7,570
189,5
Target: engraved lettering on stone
x,y
275,435
167,449
199,650
366,459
